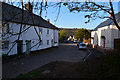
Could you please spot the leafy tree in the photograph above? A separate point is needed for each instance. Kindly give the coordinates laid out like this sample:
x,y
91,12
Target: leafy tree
x,y
82,33
62,35
69,31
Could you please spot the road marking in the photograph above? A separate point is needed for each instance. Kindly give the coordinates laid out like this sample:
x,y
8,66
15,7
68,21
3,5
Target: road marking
x,y
87,55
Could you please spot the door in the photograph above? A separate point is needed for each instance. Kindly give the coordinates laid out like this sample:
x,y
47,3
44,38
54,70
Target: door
x,y
28,46
52,43
104,43
20,47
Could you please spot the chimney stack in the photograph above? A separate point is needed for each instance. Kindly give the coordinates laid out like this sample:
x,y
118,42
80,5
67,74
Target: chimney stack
x,y
28,7
48,20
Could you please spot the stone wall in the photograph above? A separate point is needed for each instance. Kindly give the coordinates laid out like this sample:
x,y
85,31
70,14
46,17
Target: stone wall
x,y
104,50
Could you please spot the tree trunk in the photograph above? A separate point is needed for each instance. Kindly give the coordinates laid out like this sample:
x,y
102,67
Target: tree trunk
x,y
113,15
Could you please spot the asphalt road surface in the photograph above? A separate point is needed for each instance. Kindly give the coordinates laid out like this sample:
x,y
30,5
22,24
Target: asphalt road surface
x,y
65,52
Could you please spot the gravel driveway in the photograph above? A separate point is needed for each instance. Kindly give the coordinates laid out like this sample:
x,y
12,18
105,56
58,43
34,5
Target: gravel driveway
x,y
65,52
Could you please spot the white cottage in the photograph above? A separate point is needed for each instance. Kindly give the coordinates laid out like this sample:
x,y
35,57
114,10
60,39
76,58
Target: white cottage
x,y
36,33
105,33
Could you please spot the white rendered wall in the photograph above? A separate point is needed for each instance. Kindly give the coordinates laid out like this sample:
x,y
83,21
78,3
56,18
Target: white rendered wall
x,y
30,34
92,35
105,31
110,32
56,36
95,35
115,35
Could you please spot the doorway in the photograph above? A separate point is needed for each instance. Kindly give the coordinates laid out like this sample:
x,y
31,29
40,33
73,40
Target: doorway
x,y
103,41
52,43
28,46
20,47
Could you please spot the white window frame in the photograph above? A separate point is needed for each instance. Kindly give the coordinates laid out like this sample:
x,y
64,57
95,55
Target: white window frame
x,y
40,31
5,45
47,31
47,42
5,28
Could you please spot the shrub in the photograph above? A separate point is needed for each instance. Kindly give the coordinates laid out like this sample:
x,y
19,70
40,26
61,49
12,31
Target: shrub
x,y
4,56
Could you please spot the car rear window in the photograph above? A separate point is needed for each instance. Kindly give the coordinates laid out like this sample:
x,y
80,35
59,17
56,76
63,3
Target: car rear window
x,y
82,44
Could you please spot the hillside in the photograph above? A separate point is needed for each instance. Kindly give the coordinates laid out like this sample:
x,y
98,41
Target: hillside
x,y
70,31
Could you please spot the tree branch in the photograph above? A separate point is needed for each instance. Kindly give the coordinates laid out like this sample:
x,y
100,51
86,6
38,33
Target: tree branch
x,y
113,15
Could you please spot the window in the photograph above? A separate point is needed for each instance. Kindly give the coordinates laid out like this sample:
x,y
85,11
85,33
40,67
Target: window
x,y
47,42
47,31
40,31
82,44
5,45
5,28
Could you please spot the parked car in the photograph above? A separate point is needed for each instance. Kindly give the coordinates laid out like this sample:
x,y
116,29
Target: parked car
x,y
82,46
75,41
79,43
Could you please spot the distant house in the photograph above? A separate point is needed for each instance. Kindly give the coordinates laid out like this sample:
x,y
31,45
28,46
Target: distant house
x,y
70,37
36,33
105,33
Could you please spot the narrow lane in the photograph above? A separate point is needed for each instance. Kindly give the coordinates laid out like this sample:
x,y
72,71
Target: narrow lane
x,y
65,52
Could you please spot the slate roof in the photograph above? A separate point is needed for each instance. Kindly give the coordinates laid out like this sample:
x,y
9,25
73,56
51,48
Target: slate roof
x,y
108,22
14,14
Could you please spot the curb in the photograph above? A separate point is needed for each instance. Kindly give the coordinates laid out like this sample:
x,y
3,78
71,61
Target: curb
x,y
87,55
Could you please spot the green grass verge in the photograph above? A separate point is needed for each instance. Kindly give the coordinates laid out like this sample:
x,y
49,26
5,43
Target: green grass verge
x,y
38,73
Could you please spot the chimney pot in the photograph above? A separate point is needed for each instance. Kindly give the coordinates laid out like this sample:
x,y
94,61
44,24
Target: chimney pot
x,y
48,20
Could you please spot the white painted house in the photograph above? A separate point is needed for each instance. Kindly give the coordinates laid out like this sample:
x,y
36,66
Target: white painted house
x,y
105,33
37,33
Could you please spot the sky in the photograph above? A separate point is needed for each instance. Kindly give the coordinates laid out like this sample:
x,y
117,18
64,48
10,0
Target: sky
x,y
68,19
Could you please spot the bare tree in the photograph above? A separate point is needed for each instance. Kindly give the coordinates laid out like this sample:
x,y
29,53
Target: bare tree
x,y
7,35
92,7
95,10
